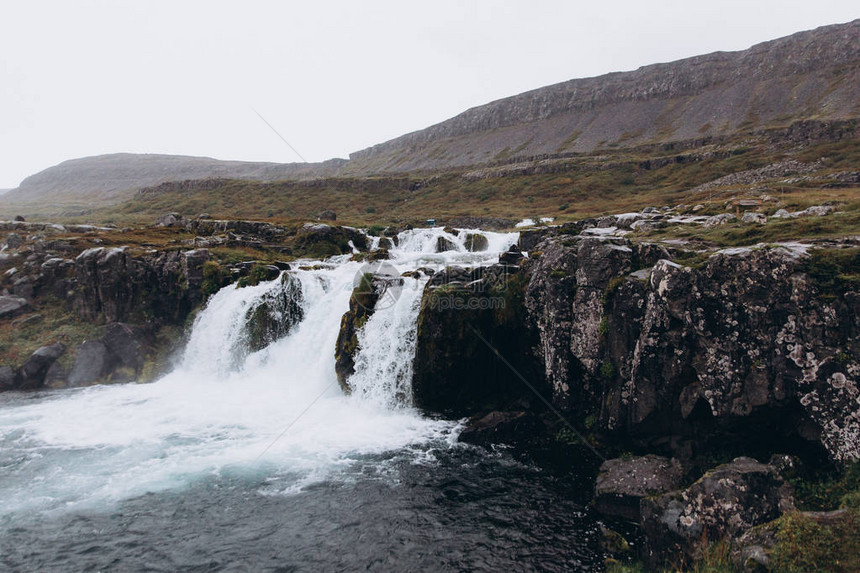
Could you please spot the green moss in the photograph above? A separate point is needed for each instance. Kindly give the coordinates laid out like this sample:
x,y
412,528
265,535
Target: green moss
x,y
607,370
834,271
613,286
256,275
827,490
603,327
214,278
804,546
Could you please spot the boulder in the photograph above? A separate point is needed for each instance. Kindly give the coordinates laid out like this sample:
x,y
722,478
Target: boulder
x,y
509,427
476,242
93,363
623,483
320,240
14,240
327,215
816,211
530,238
12,306
56,376
725,503
32,373
781,214
721,219
275,315
170,220
751,217
443,245
512,256
7,378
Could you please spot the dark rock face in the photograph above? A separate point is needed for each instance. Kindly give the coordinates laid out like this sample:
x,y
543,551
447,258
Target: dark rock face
x,y
662,357
32,373
725,503
320,241
565,302
500,427
276,314
113,286
623,483
466,316
104,282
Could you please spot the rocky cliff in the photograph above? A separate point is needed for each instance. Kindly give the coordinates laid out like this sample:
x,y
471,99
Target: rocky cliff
x,y
813,74
653,353
750,351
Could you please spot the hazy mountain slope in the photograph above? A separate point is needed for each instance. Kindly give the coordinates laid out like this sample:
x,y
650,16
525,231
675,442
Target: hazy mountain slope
x,y
115,177
809,75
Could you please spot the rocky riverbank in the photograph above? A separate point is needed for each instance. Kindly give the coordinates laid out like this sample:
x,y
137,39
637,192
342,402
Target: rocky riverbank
x,y
735,352
699,380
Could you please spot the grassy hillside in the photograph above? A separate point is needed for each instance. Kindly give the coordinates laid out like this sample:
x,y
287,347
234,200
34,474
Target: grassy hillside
x,y
567,189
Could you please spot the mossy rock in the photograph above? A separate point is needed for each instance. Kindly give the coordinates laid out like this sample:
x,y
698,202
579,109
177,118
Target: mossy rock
x,y
476,242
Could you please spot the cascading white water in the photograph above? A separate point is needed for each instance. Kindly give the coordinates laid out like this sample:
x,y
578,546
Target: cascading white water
x,y
278,410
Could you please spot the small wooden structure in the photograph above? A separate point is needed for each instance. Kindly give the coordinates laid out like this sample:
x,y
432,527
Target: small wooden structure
x,y
745,205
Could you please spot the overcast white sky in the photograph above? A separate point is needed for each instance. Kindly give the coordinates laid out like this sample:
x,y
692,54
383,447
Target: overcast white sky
x,y
83,78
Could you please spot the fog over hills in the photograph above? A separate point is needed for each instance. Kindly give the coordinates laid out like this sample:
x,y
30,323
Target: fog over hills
x,y
808,75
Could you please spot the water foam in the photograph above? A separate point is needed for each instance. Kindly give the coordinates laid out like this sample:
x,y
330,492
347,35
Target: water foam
x,y
275,412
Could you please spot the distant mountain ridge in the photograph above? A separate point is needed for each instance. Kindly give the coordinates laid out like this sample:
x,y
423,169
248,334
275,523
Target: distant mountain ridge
x,y
115,176
808,75
812,75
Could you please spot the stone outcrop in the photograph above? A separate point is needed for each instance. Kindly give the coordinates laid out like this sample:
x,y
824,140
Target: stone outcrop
x,y
466,317
275,315
623,483
320,240
32,374
119,356
115,286
662,357
725,503
476,242
12,306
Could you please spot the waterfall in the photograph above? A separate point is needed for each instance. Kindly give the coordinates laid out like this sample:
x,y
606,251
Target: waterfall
x,y
227,407
386,348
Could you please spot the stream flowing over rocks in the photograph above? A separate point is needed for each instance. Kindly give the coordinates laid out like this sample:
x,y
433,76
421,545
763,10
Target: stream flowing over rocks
x,y
380,354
